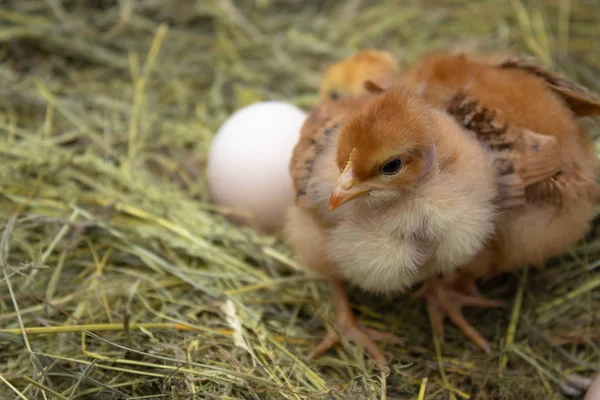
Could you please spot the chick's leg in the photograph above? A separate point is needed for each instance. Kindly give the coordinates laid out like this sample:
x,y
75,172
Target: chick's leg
x,y
352,329
447,298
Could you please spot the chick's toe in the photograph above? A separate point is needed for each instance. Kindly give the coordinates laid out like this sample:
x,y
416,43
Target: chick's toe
x,y
352,330
447,298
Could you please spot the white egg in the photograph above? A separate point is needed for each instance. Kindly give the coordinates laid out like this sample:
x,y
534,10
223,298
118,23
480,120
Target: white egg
x,y
248,162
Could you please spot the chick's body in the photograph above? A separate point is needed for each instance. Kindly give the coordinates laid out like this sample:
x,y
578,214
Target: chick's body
x,y
557,208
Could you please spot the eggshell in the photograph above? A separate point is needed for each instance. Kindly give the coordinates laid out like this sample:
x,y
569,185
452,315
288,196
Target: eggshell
x,y
248,162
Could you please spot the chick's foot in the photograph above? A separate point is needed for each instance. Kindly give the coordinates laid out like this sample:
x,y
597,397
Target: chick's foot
x,y
352,330
447,298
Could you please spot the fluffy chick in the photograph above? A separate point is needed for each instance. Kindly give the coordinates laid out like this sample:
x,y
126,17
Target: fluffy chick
x,y
387,196
546,180
345,78
523,118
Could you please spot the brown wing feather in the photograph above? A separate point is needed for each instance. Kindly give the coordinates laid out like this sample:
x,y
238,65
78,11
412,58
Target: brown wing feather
x,y
578,98
524,159
303,167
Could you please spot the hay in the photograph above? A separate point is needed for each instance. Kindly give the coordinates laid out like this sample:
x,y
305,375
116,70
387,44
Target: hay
x,y
121,280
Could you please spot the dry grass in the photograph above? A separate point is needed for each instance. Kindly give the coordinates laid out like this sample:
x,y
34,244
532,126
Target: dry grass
x,y
120,280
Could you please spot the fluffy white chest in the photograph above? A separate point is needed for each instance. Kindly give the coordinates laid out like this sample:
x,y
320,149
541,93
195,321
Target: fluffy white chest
x,y
392,250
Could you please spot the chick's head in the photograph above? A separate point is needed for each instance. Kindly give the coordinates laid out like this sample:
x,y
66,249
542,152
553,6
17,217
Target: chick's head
x,y
385,149
345,78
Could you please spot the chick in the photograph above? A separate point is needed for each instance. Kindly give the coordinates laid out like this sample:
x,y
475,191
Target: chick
x,y
546,180
346,77
434,214
389,194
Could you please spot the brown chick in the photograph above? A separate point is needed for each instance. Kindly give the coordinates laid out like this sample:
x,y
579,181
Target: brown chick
x,y
387,195
345,78
525,116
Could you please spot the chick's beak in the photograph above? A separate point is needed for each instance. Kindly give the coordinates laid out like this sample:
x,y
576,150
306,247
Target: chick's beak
x,y
345,189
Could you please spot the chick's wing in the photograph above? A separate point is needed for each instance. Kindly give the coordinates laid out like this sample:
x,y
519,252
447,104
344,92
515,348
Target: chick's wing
x,y
318,134
522,158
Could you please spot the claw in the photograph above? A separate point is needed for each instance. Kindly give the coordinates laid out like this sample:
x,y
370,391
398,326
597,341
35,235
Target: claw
x,y
444,299
353,330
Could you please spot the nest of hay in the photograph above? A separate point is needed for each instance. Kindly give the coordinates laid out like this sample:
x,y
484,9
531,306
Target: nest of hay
x,y
118,277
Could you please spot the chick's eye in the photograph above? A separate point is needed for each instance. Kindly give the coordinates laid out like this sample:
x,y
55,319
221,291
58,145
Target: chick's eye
x,y
333,95
391,167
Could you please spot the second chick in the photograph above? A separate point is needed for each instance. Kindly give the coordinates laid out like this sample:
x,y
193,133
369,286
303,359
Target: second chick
x,y
345,78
